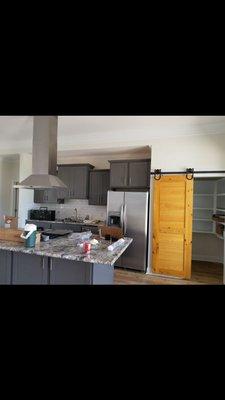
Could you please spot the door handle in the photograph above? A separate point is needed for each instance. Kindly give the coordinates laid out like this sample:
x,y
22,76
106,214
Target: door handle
x,y
122,217
125,219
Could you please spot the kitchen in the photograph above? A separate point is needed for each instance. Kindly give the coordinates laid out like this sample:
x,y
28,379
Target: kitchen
x,y
136,145
83,200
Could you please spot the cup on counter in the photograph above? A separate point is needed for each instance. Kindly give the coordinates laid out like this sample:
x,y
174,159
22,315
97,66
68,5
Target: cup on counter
x,y
86,247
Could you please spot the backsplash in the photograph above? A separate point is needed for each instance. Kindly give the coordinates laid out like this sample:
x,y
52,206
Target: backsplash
x,y
83,209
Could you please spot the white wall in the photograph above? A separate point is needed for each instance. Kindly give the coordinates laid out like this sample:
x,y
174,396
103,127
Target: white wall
x,y
201,152
26,196
100,159
9,173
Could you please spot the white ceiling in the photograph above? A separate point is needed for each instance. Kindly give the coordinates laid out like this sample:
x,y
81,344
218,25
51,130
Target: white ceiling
x,y
75,131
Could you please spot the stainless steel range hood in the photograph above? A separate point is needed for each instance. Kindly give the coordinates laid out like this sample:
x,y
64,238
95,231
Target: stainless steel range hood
x,y
44,162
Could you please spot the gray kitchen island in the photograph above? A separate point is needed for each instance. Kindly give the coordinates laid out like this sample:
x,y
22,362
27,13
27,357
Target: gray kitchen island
x,y
59,261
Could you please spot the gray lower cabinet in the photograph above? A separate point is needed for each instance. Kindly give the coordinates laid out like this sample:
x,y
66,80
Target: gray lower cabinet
x,y
93,229
5,267
29,269
26,269
70,227
99,186
102,274
68,272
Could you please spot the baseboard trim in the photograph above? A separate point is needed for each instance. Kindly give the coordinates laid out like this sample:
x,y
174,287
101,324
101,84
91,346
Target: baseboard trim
x,y
199,257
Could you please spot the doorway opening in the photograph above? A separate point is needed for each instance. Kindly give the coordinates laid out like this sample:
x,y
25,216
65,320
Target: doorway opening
x,y
207,239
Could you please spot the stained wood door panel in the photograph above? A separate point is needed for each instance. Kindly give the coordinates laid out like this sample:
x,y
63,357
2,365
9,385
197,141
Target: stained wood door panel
x,y
172,230
171,253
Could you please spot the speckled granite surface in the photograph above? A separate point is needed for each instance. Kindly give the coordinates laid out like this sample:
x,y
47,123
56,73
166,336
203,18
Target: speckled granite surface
x,y
68,222
67,248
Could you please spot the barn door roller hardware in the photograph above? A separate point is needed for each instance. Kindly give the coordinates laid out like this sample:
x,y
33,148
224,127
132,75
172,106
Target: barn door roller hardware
x,y
157,174
189,172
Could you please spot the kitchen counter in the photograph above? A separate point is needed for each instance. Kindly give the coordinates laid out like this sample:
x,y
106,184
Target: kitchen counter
x,y
69,222
58,262
66,248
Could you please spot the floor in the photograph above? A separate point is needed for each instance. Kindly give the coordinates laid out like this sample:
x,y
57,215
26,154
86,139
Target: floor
x,y
202,273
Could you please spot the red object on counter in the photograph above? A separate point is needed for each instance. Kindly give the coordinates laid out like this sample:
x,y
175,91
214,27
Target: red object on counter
x,y
86,247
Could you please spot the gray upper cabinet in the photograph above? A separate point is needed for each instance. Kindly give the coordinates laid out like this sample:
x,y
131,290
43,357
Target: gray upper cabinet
x,y
130,174
118,174
139,174
48,196
99,185
76,177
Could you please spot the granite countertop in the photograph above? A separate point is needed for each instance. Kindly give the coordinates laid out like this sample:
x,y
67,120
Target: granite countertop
x,y
69,222
67,248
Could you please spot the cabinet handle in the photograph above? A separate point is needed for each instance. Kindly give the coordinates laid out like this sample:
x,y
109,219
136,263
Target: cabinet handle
x,y
43,263
50,264
130,180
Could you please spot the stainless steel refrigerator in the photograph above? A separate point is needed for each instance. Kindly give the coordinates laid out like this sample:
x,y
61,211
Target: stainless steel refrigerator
x,y
130,211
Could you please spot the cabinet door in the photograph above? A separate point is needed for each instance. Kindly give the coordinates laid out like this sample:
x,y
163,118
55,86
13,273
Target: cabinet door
x,y
118,174
77,180
44,196
72,227
139,173
99,186
68,272
64,173
39,196
50,196
95,188
93,229
105,181
29,269
80,182
5,267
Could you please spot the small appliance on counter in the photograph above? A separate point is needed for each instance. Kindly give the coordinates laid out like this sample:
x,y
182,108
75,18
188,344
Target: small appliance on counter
x,y
29,234
42,214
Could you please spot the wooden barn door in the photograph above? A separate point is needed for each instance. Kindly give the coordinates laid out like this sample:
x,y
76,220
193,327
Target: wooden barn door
x,y
172,226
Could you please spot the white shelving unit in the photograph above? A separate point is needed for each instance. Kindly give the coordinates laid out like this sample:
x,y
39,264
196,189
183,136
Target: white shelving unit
x,y
204,206
209,198
220,196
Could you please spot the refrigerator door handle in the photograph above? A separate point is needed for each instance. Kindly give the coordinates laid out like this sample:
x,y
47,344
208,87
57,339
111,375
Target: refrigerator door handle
x,y
122,217
125,218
